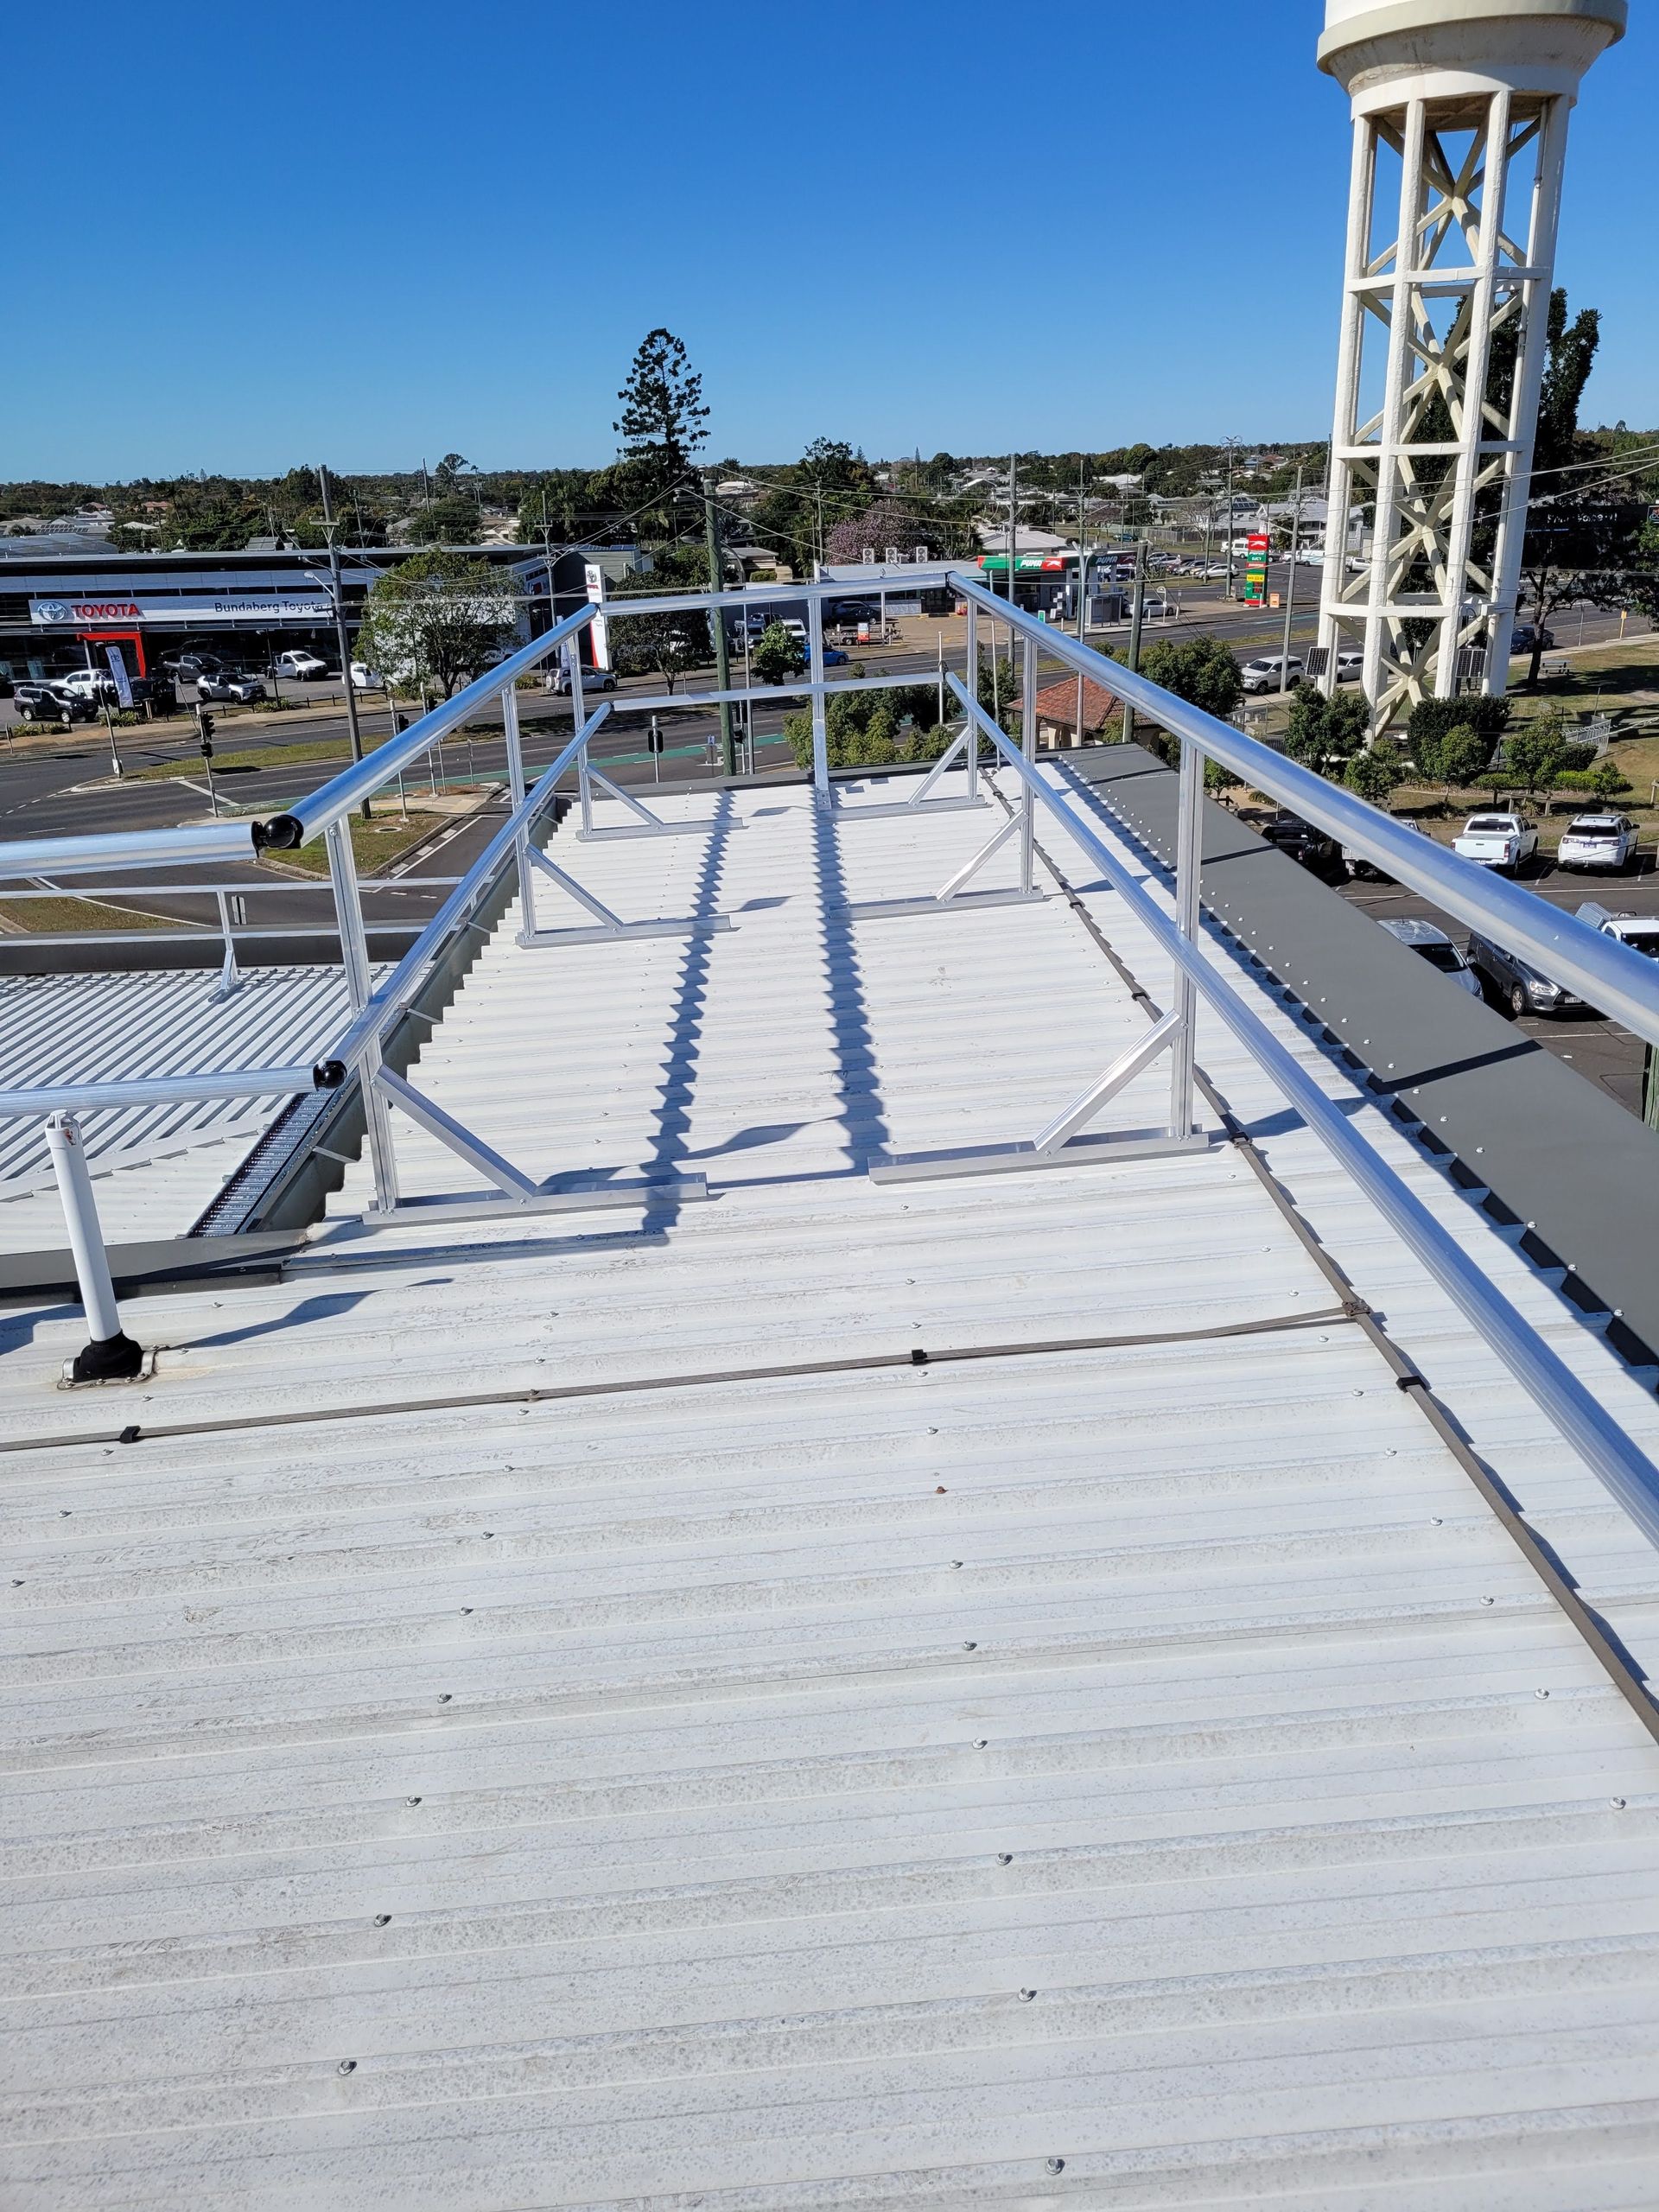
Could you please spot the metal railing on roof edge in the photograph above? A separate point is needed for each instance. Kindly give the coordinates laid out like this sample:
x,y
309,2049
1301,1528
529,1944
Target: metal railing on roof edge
x,y
1605,973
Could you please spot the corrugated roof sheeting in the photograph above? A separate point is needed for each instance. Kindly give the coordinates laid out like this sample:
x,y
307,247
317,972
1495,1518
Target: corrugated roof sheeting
x,y
154,1167
1134,1777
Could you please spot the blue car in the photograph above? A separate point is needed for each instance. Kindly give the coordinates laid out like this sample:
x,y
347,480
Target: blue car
x,y
834,656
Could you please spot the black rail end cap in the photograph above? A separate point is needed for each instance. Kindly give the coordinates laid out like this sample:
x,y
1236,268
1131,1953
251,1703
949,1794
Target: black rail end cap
x,y
282,834
328,1075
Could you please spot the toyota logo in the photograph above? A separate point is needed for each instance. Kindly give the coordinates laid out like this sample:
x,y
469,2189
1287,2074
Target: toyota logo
x,y
54,610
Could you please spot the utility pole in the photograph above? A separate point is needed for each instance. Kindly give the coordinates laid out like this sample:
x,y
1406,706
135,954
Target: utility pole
x,y
340,623
717,623
1136,610
1290,588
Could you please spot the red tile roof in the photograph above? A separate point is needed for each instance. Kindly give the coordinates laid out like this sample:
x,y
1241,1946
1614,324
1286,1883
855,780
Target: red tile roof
x,y
1057,702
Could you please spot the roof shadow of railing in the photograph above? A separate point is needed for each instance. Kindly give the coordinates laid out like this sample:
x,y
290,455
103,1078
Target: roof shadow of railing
x,y
861,1110
668,1149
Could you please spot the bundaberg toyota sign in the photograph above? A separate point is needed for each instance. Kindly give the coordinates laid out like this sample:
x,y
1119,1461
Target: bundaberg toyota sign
x,y
188,610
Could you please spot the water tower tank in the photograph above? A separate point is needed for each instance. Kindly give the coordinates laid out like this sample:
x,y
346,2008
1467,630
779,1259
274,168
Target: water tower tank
x,y
1459,113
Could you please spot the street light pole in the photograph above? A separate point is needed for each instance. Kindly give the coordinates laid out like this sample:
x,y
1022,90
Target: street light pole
x,y
340,623
1083,584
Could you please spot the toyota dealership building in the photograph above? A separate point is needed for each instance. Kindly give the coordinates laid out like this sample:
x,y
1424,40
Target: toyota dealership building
x,y
246,606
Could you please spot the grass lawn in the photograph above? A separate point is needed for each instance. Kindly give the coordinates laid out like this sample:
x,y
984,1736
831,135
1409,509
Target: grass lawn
x,y
58,916
267,756
374,845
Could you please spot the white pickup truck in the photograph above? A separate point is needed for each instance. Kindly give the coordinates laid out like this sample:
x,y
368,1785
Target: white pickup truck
x,y
1639,932
1504,841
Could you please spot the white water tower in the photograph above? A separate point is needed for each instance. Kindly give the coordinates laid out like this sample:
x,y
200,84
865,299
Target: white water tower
x,y
1459,120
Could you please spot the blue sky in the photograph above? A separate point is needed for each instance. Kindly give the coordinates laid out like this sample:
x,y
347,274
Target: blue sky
x,y
375,231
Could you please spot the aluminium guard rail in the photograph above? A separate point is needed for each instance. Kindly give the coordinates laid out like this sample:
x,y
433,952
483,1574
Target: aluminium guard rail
x,y
1607,974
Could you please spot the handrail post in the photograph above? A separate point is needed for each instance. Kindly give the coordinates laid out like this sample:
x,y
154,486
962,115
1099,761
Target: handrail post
x,y
578,716
820,727
354,958
515,792
973,686
1028,747
1189,850
230,978
111,1355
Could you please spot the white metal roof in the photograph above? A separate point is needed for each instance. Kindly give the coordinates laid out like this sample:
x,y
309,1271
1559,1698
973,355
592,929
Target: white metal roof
x,y
154,1167
864,1787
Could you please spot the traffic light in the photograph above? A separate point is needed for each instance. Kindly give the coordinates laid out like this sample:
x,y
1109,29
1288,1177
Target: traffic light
x,y
205,726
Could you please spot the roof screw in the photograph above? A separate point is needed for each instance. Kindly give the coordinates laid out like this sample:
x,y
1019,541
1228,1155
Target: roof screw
x,y
1005,1859
411,1801
980,1743
443,1697
465,1609
1541,1693
971,1647
1026,1996
346,2066
383,1920
1617,1804
1488,1601
956,1562
1054,2165
1435,1520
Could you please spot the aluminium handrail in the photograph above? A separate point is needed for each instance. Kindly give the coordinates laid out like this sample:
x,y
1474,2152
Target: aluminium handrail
x,y
332,802
396,990
190,846
167,1089
1605,974
1614,1457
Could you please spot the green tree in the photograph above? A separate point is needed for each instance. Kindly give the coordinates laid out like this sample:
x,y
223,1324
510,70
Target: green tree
x,y
1606,780
1324,734
446,522
1536,752
1201,670
1431,718
1454,758
661,425
664,645
1373,774
436,619
777,655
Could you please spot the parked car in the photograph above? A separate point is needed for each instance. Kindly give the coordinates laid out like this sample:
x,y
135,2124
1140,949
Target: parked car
x,y
1159,610
301,667
834,656
364,679
1359,869
1437,949
94,683
1501,840
1350,665
1288,833
1272,672
592,679
231,684
1524,636
1639,932
1509,983
193,664
1604,840
52,703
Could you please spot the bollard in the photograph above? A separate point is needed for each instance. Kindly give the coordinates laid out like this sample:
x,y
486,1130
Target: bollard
x,y
111,1356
